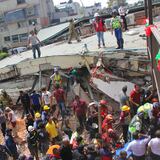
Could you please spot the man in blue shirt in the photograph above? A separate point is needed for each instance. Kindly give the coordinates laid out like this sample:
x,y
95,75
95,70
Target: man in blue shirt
x,y
35,101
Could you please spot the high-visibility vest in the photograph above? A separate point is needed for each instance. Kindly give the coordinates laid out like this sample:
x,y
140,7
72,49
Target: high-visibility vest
x,y
116,23
132,126
57,77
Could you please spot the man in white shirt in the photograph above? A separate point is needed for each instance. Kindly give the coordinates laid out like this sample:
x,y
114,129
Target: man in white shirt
x,y
46,97
122,12
138,147
154,146
34,42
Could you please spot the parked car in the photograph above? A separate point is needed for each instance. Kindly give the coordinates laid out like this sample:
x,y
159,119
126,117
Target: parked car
x,y
17,50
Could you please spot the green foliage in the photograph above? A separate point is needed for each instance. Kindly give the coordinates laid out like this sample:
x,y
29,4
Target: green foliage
x,y
3,55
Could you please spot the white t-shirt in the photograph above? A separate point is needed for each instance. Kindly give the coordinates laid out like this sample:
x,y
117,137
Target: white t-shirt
x,y
33,39
138,147
155,146
46,97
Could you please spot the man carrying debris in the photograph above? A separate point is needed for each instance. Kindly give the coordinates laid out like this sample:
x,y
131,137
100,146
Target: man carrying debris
x,y
116,25
72,32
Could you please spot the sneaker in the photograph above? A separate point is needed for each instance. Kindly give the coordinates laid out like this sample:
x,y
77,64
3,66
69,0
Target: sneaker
x,y
69,42
118,48
79,40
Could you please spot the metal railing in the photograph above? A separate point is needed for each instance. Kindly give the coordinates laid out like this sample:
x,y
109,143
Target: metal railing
x,y
153,47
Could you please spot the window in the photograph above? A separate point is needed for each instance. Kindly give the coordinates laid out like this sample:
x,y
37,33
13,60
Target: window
x,y
32,21
7,39
21,24
21,1
14,16
15,38
1,19
30,11
23,37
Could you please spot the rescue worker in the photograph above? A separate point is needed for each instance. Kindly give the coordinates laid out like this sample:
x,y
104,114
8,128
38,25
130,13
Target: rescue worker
x,y
35,101
45,114
34,42
155,112
2,122
60,97
43,139
11,117
123,12
4,152
125,118
100,28
37,121
107,122
104,109
32,141
80,110
56,77
117,27
51,129
5,100
25,100
146,108
136,124
10,144
72,32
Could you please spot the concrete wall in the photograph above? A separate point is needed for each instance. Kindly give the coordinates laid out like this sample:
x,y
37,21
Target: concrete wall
x,y
33,66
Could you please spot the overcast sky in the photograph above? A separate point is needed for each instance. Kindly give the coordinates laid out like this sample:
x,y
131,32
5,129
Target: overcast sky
x,y
90,2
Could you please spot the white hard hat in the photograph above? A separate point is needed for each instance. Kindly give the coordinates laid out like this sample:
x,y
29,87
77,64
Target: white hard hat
x,y
30,128
93,103
96,15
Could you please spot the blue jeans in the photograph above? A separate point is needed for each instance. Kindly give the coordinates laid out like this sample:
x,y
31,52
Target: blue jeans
x,y
118,34
100,36
62,108
34,48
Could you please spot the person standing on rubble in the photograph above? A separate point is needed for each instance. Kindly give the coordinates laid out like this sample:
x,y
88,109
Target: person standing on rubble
x,y
135,99
116,25
123,12
10,144
80,110
72,32
60,97
2,122
25,100
34,42
100,28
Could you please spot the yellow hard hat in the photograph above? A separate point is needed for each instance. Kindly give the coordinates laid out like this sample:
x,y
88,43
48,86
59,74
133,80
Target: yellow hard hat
x,y
125,108
37,115
46,107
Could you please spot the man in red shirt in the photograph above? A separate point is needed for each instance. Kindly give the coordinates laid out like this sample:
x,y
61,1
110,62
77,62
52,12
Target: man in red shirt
x,y
80,110
135,98
59,95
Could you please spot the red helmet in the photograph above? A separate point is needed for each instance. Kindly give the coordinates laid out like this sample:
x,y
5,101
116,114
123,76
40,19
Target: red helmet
x,y
103,102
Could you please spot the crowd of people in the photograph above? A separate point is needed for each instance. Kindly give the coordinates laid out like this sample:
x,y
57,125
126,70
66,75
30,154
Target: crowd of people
x,y
51,135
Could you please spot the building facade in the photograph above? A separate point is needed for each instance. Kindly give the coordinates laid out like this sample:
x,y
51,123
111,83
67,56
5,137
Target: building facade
x,y
19,17
91,10
67,10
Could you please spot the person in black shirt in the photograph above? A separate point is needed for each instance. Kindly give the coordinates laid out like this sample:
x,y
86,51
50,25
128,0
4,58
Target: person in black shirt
x,y
4,152
25,100
65,151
